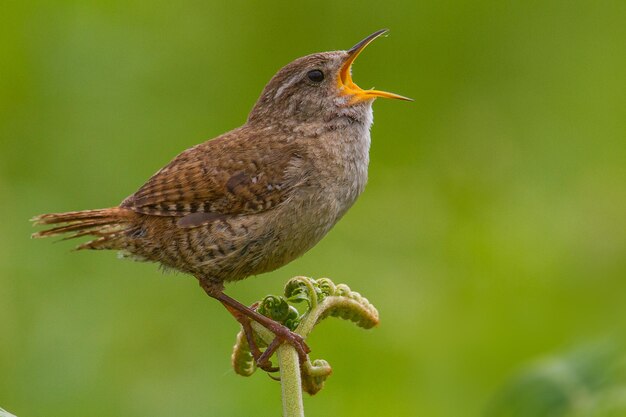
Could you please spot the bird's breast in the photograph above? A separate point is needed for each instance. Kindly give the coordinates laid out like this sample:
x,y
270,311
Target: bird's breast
x,y
327,177
350,157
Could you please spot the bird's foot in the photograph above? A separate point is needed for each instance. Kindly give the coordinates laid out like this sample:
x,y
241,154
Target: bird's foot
x,y
283,335
244,314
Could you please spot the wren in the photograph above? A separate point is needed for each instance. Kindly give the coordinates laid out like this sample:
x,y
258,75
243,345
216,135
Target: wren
x,y
252,199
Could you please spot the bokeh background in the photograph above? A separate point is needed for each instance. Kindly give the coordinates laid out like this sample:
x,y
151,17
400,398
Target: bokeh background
x,y
492,234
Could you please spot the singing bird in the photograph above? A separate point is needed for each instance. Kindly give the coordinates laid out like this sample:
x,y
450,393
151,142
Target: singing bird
x,y
255,198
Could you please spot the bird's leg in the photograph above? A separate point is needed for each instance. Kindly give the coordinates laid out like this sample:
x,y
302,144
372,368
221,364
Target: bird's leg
x,y
282,333
262,363
271,348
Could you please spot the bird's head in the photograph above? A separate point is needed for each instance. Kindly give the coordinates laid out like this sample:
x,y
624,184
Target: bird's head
x,y
317,88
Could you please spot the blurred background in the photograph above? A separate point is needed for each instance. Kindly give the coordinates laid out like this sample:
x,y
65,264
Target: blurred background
x,y
492,234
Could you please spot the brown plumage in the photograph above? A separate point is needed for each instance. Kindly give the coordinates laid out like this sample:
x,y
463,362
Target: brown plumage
x,y
252,199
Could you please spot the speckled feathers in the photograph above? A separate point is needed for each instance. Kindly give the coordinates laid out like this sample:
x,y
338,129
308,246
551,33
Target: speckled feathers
x,y
254,198
240,173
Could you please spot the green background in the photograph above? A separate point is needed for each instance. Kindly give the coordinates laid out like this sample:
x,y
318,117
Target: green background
x,y
492,232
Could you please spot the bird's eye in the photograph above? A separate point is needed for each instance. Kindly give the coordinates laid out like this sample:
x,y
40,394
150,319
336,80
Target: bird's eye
x,y
316,76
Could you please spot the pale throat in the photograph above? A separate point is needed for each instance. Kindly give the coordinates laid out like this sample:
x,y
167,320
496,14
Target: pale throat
x,y
354,140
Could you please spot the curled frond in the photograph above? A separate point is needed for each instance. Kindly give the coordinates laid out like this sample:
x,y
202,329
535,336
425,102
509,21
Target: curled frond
x,y
324,299
241,358
274,307
277,308
314,375
293,319
357,310
338,301
300,289
326,286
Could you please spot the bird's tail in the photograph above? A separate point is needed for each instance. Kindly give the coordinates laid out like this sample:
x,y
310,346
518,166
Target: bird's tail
x,y
108,226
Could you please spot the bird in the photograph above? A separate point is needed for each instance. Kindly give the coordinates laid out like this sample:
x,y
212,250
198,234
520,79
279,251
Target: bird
x,y
255,198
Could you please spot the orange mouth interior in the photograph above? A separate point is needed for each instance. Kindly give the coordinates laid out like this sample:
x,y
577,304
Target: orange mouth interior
x,y
344,79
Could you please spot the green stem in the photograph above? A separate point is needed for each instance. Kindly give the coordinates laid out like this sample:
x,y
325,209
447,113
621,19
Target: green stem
x,y
291,384
290,378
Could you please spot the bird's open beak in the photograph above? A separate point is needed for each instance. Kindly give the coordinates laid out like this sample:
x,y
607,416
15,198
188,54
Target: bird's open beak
x,y
348,87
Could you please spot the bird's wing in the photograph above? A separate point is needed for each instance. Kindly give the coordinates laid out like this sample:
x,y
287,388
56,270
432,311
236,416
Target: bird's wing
x,y
235,174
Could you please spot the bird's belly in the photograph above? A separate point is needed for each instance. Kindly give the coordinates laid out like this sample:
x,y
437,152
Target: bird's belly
x,y
295,227
288,233
277,237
